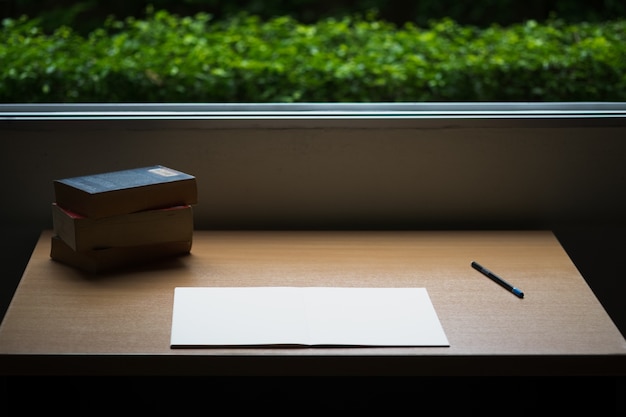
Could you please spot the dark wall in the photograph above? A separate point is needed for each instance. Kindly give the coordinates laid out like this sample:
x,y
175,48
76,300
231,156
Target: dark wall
x,y
376,173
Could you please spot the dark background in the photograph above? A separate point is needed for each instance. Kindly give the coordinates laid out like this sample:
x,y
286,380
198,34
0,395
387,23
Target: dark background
x,y
88,14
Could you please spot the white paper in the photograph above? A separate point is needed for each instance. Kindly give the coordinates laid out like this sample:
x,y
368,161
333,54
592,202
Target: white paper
x,y
304,316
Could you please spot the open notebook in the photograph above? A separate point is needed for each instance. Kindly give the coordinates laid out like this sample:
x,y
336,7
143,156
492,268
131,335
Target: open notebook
x,y
304,316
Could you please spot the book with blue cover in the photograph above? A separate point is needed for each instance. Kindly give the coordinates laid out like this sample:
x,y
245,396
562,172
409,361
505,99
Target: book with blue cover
x,y
125,191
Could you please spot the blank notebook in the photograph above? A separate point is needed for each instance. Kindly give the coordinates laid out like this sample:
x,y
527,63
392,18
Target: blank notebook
x,y
304,316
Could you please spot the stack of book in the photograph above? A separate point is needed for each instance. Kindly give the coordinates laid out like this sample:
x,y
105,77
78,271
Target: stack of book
x,y
115,219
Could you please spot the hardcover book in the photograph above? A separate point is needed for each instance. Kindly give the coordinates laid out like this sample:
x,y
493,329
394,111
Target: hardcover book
x,y
171,224
109,259
126,191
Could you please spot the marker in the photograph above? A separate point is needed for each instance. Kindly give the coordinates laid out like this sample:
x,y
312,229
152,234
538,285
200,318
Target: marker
x,y
497,279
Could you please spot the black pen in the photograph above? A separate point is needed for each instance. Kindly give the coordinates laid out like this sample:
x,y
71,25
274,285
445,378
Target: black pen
x,y
497,279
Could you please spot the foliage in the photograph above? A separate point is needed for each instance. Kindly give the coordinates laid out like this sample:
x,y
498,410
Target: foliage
x,y
167,58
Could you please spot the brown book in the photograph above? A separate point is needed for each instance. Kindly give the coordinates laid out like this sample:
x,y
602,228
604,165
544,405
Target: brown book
x,y
127,191
172,224
110,259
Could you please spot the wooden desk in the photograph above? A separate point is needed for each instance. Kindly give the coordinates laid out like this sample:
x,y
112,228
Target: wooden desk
x,y
62,321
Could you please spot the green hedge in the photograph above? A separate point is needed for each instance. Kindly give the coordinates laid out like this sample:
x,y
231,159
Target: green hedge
x,y
166,58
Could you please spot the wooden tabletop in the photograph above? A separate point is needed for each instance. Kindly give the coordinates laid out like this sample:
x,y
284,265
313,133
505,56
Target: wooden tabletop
x,y
64,321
